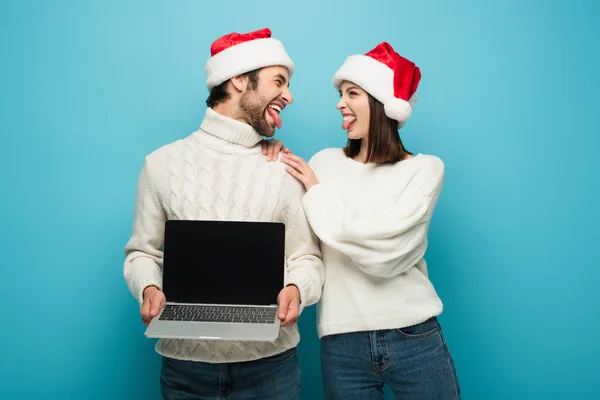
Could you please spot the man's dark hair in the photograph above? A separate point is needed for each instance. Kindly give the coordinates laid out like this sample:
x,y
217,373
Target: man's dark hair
x,y
219,94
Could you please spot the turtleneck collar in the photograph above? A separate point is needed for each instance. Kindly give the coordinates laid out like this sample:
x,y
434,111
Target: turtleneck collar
x,y
229,129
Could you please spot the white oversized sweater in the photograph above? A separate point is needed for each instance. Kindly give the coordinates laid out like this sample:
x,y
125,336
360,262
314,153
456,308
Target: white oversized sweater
x,y
372,222
219,173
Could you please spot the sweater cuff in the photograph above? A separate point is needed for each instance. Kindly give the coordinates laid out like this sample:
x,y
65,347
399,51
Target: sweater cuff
x,y
143,284
303,288
150,277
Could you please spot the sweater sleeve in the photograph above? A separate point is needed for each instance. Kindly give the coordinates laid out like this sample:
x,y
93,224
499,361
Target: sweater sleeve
x,y
304,267
381,242
143,251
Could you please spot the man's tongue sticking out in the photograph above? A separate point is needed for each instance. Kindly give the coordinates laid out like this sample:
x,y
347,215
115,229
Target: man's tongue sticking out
x,y
275,116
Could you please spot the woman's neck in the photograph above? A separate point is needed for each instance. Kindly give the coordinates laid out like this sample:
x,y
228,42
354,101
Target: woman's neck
x,y
363,152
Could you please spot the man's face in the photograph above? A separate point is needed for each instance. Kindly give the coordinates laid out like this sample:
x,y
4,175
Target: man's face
x,y
262,105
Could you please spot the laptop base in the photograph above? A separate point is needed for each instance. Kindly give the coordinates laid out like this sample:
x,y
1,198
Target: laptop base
x,y
213,330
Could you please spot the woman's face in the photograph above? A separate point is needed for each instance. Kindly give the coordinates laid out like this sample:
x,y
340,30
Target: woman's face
x,y
354,106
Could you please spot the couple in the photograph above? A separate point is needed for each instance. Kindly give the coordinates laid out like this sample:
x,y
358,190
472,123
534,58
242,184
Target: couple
x,y
356,230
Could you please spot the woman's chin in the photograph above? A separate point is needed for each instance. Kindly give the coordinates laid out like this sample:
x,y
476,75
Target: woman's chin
x,y
353,135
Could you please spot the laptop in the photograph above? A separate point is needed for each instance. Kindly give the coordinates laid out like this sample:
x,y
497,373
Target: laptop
x,y
221,280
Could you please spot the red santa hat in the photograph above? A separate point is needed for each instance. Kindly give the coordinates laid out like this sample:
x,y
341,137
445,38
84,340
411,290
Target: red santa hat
x,y
385,75
237,53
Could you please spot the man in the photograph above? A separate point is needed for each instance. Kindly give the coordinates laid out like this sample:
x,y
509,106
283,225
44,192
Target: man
x,y
220,173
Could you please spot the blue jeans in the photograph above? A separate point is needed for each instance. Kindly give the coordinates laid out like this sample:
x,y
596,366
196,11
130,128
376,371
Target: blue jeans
x,y
271,378
413,361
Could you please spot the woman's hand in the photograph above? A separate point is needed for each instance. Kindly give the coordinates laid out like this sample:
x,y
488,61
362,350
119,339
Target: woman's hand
x,y
272,147
299,169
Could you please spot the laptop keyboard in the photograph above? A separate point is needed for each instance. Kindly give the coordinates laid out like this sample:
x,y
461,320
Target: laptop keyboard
x,y
250,315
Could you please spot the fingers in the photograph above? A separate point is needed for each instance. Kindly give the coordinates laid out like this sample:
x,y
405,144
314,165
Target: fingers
x,y
296,170
292,314
289,306
274,150
157,301
284,303
272,147
267,147
295,158
145,311
294,164
152,306
295,174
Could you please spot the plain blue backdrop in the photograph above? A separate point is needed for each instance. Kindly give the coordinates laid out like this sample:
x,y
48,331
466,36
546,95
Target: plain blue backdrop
x,y
508,100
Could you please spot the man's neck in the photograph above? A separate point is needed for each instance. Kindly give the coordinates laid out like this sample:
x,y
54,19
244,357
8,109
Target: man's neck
x,y
229,110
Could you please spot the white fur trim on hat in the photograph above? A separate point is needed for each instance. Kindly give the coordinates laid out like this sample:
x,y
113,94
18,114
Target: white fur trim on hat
x,y
246,57
377,79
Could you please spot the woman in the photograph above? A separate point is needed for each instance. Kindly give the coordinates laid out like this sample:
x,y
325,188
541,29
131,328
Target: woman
x,y
370,204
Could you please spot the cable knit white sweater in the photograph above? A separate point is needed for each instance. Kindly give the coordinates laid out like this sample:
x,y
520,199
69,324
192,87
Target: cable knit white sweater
x,y
219,173
372,222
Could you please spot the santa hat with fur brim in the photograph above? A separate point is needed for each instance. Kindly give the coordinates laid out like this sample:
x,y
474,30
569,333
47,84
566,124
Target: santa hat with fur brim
x,y
238,53
385,75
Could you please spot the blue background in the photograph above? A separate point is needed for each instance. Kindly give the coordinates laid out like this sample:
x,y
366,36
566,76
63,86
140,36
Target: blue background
x,y
507,100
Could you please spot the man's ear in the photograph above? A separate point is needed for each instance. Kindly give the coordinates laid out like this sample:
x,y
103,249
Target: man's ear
x,y
239,83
